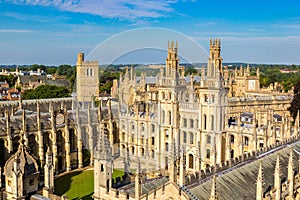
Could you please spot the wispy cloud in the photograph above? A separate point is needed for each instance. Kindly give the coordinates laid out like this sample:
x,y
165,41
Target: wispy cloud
x,y
256,30
206,24
15,31
123,9
38,18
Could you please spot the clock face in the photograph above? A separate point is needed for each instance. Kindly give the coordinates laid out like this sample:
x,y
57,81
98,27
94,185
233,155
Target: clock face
x,y
60,118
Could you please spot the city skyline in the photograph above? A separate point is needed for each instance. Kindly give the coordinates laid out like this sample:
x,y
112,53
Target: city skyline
x,y
52,32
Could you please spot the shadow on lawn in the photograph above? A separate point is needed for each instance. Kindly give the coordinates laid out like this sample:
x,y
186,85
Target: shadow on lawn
x,y
88,197
63,184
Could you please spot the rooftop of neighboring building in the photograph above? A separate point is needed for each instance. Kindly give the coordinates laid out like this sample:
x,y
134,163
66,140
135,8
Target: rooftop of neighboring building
x,y
240,182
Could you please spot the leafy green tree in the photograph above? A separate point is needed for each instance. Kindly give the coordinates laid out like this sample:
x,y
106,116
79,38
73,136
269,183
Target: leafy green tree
x,y
46,91
66,70
105,87
190,70
295,104
51,70
10,79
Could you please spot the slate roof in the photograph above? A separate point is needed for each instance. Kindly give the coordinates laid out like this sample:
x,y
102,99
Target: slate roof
x,y
58,82
147,185
241,182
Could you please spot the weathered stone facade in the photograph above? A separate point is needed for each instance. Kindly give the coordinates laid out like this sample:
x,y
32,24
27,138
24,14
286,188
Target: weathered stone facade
x,y
193,111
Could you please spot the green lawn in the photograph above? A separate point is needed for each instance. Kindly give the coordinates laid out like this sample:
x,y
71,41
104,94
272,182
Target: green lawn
x,y
79,184
117,173
76,185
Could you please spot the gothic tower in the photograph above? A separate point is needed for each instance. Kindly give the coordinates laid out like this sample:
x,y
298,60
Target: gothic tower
x,y
172,61
215,61
213,105
168,105
87,79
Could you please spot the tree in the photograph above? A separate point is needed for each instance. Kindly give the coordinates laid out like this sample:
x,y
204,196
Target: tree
x,y
46,92
66,70
10,79
190,70
295,104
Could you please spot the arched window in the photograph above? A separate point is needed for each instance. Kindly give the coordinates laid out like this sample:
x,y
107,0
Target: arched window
x,y
163,117
170,117
47,141
153,140
123,137
152,154
212,122
143,152
73,140
208,153
132,150
153,128
191,161
167,146
91,72
232,139
204,121
87,72
143,127
246,141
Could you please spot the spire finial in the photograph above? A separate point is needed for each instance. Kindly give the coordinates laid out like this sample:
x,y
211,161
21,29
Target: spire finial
x,y
213,194
259,183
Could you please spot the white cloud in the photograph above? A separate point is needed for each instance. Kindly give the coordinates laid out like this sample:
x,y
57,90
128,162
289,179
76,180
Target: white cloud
x,y
15,31
38,18
123,9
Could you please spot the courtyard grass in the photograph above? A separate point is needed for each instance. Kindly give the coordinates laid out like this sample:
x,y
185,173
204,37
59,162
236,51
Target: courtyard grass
x,y
76,185
79,184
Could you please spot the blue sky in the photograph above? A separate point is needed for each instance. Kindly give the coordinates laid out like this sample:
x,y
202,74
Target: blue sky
x,y
52,32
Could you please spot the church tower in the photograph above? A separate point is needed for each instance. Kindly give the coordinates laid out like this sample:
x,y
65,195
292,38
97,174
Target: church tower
x,y
87,79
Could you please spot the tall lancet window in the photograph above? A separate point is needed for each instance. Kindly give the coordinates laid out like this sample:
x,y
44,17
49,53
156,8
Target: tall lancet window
x,y
212,123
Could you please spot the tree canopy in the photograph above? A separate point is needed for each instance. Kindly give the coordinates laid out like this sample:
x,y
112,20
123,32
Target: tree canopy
x,y
10,79
46,91
295,104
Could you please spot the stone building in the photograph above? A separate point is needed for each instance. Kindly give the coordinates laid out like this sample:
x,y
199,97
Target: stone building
x,y
68,131
21,173
194,111
179,132
87,79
